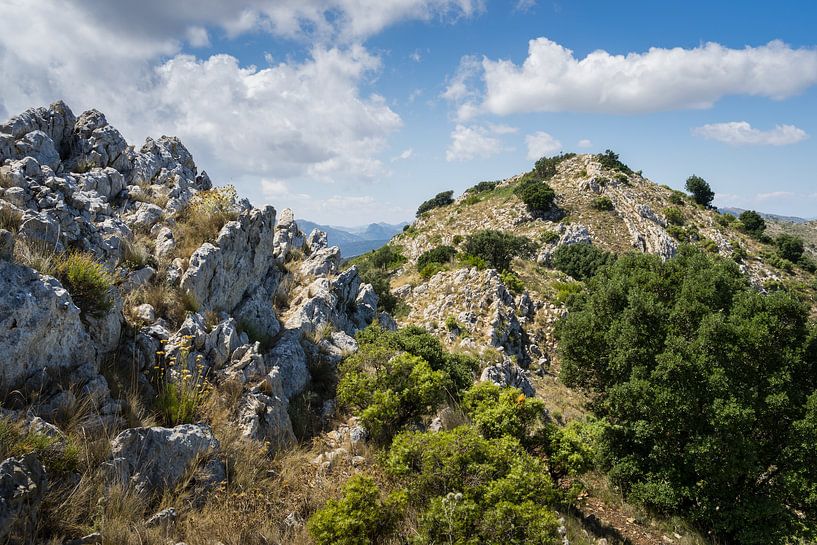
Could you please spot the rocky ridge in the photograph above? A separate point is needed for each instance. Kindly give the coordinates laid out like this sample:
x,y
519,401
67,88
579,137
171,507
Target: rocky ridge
x,y
264,300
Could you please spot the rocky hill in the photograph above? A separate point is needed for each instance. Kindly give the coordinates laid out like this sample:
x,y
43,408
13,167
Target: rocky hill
x,y
179,365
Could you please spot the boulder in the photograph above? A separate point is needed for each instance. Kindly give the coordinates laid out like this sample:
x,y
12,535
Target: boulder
x,y
6,245
219,275
508,374
156,459
40,326
290,358
23,485
262,413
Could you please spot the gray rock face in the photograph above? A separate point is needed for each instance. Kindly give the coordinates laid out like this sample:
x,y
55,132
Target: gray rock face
x,y
322,262
40,326
23,485
508,374
38,145
255,313
97,144
289,357
156,459
219,275
262,413
6,245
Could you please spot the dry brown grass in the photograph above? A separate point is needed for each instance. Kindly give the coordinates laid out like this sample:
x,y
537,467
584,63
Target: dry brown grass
x,y
202,219
170,303
38,255
10,218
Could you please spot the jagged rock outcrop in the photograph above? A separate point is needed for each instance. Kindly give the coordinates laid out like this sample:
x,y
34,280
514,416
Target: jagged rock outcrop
x,y
262,413
40,326
156,459
508,374
23,485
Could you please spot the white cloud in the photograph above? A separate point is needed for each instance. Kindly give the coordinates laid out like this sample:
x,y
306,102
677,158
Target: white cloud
x,y
460,85
540,144
774,195
197,36
524,5
585,143
405,154
552,79
502,129
416,56
472,142
741,133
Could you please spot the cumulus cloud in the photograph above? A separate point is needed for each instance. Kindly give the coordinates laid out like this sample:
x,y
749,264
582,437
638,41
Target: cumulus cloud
x,y
472,142
540,144
303,118
585,143
404,155
741,133
552,79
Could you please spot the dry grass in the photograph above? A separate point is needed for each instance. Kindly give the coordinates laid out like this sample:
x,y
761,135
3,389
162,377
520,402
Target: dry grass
x,y
10,218
38,255
202,219
168,301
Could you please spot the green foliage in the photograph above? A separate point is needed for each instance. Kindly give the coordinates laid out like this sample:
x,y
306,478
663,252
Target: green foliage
x,y
512,282
808,264
677,198
609,160
430,269
700,190
498,248
674,216
376,268
725,219
537,195
779,262
689,233
566,290
502,411
180,392
457,239
477,490
362,516
452,325
549,237
468,260
753,223
482,187
58,455
88,283
602,203
705,384
573,449
440,254
789,247
440,199
398,377
581,261
545,168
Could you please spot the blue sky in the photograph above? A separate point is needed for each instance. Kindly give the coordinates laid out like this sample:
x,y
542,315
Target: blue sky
x,y
355,111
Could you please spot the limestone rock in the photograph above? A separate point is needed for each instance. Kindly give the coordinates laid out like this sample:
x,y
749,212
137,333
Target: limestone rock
x,y
156,459
507,374
40,326
219,275
6,245
289,357
23,485
262,413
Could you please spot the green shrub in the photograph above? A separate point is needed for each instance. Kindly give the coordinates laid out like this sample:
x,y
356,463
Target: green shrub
x,y
468,260
677,198
88,283
452,325
725,219
789,247
581,261
498,248
780,263
483,187
808,264
430,270
362,516
545,168
512,282
457,239
386,300
602,203
609,160
566,290
386,258
537,195
180,393
499,411
709,245
709,387
549,237
674,216
573,449
441,199
440,254
700,190
752,222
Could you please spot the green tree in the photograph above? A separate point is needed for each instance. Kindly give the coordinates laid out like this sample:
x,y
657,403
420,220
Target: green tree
x,y
440,199
706,386
700,190
537,195
789,247
581,261
498,248
752,222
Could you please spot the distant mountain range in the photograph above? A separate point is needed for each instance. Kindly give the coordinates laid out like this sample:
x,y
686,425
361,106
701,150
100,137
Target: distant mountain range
x,y
788,219
355,240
